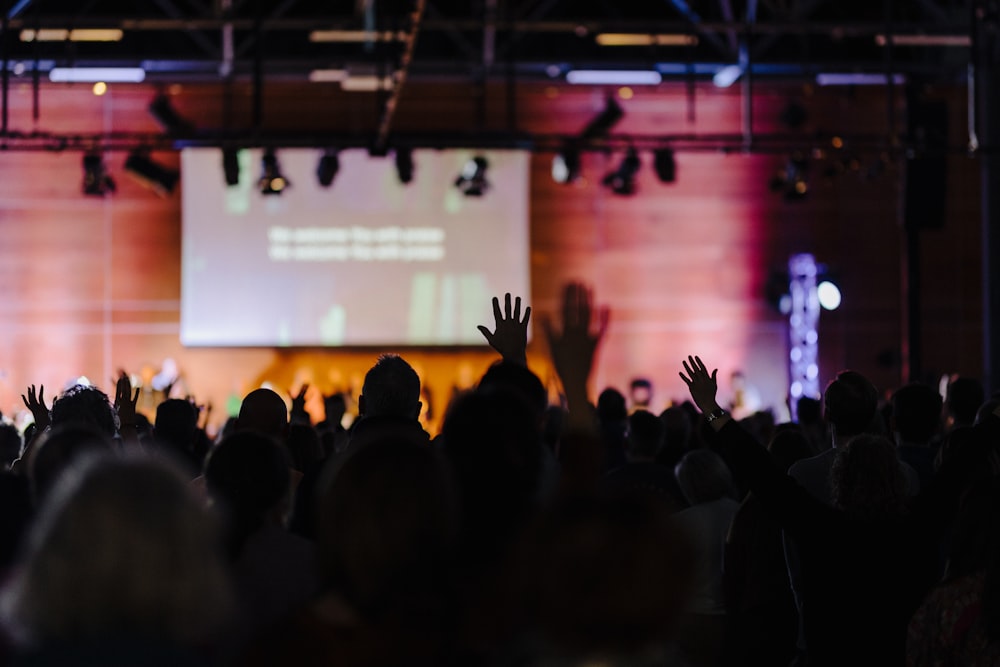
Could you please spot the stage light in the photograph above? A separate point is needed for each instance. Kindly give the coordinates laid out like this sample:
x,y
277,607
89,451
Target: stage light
x,y
635,39
404,165
231,166
829,295
271,181
167,117
665,165
727,76
857,79
472,180
160,179
604,121
96,180
566,165
329,165
598,77
622,180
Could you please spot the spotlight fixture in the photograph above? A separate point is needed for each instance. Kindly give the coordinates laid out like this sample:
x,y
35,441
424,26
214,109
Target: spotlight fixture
x,y
96,180
404,165
622,180
172,122
829,294
160,179
271,181
329,165
604,121
566,164
231,166
665,165
472,180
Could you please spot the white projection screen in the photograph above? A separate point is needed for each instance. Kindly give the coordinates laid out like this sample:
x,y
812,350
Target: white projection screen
x,y
366,262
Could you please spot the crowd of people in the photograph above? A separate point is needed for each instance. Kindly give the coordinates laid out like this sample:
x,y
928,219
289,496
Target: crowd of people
x,y
586,533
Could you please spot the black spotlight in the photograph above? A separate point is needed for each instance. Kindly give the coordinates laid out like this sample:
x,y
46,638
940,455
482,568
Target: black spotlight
x,y
622,180
665,165
231,166
472,181
604,121
329,165
566,164
271,181
158,178
96,180
404,165
168,118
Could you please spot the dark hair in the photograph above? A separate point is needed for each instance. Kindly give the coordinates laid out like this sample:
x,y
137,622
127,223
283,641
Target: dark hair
x,y
505,376
867,479
788,445
851,402
391,389
703,476
678,428
10,443
304,447
57,449
263,411
84,404
965,395
916,412
247,476
645,434
611,406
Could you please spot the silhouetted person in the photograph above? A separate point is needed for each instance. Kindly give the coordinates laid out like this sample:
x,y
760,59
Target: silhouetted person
x,y
389,404
915,424
264,411
641,473
964,397
176,430
612,421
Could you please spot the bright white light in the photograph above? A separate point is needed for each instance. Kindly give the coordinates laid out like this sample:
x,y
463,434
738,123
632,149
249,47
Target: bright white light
x,y
560,170
796,389
795,354
596,77
727,76
812,371
327,75
95,74
829,295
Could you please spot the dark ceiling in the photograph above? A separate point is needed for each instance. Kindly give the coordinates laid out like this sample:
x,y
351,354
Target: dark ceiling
x,y
462,40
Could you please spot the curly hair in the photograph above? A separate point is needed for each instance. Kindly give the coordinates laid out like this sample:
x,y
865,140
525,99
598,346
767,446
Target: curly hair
x,y
84,404
867,479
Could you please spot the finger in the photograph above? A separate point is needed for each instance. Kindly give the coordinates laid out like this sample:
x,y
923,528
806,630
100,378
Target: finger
x,y
517,309
135,399
26,404
550,335
688,369
486,334
701,364
569,306
603,317
686,381
41,393
527,316
497,315
506,306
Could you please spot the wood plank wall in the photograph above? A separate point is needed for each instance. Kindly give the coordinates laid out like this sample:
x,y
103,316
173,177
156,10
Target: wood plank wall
x,y
88,285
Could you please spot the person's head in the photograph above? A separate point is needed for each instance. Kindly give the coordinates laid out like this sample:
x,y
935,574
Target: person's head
x,y
809,410
965,395
265,412
611,406
388,525
867,479
10,444
788,445
645,436
505,376
176,423
247,478
391,389
677,431
703,476
85,404
120,549
916,413
641,392
305,449
851,403
335,406
57,449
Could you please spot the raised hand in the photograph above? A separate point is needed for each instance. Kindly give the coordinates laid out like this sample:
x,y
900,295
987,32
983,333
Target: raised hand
x,y
299,405
574,346
125,401
702,385
37,407
510,337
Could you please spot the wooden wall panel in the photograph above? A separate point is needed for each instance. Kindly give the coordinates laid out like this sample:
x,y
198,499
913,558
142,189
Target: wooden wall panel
x,y
88,286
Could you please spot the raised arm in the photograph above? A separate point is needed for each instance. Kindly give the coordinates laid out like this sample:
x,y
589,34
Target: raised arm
x,y
785,500
510,334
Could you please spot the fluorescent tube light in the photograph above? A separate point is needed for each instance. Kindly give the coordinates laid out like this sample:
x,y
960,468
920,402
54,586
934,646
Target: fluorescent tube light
x,y
857,79
924,40
76,35
355,36
327,75
589,77
634,39
95,74
367,83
